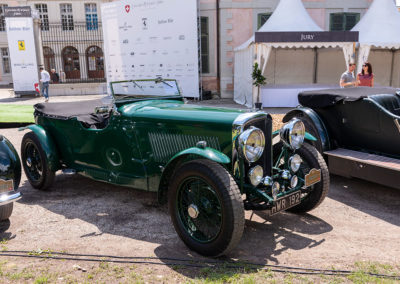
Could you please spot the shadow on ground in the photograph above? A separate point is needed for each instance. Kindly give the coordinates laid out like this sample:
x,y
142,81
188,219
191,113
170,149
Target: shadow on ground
x,y
137,215
373,199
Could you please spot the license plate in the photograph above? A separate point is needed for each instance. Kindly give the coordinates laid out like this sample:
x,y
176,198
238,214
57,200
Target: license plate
x,y
6,185
286,202
313,177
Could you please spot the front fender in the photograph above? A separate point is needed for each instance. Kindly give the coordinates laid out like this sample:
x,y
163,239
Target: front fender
x,y
314,118
48,145
10,164
175,161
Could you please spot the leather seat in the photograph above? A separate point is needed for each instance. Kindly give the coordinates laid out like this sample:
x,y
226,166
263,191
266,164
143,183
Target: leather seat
x,y
389,102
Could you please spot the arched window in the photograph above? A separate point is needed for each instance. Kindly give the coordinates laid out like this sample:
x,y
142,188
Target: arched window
x,y
95,62
49,58
70,56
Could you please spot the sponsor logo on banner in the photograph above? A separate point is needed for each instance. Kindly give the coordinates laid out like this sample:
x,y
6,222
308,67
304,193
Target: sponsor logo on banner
x,y
132,53
21,45
125,27
182,37
168,21
125,41
127,8
144,24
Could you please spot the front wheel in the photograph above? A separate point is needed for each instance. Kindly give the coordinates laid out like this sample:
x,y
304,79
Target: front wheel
x,y
312,159
206,207
35,162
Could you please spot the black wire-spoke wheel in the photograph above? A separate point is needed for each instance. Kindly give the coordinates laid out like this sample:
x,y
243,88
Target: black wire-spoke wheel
x,y
199,209
206,207
315,194
35,162
312,196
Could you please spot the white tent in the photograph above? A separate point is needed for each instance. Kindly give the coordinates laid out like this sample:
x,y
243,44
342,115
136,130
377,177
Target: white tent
x,y
289,16
380,29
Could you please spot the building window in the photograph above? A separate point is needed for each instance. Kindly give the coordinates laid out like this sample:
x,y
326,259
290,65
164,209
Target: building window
x,y
67,19
95,62
5,58
91,16
343,21
2,19
262,18
205,50
49,58
44,16
71,65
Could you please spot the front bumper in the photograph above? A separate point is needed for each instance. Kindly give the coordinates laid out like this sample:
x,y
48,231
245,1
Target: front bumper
x,y
8,197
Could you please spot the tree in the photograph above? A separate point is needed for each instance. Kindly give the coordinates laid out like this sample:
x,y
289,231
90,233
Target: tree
x,y
258,79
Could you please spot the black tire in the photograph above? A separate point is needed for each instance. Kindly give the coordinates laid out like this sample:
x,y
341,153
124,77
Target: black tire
x,y
224,190
6,211
35,162
313,159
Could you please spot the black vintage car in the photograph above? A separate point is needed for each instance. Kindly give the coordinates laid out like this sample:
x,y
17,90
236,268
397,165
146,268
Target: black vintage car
x,y
357,129
10,176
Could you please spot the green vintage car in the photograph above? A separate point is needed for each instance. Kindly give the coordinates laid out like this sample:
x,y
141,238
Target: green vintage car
x,y
210,164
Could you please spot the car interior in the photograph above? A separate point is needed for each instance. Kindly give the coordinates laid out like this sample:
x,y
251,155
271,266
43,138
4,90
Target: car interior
x,y
389,102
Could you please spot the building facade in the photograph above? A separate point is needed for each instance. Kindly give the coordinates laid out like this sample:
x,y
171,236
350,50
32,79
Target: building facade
x,y
71,36
239,19
225,24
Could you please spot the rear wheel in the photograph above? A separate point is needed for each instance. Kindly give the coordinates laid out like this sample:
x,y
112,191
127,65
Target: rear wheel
x,y
206,207
35,162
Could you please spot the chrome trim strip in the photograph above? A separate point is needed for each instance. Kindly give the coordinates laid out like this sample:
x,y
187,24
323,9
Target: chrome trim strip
x,y
245,117
8,198
396,121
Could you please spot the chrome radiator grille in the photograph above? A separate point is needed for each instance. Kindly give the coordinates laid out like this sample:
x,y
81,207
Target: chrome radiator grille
x,y
164,146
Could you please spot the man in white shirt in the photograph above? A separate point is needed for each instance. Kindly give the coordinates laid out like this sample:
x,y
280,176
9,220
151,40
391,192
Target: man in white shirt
x,y
45,79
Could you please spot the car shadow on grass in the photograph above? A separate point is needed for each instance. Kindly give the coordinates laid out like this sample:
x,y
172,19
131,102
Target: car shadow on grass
x,y
373,199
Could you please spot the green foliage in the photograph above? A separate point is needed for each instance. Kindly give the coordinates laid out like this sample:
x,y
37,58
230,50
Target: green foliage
x,y
258,78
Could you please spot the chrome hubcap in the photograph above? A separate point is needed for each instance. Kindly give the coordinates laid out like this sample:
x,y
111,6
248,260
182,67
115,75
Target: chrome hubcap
x,y
29,162
193,211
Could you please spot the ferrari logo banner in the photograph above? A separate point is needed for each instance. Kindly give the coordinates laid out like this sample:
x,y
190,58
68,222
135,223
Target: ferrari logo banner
x,y
21,45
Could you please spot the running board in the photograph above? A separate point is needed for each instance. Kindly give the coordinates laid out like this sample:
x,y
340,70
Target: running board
x,y
375,168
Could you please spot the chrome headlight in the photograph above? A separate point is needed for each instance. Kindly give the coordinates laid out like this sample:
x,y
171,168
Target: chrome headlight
x,y
294,181
256,175
292,133
295,162
251,144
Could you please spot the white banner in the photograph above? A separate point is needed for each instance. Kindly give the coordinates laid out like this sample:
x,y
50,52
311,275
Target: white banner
x,y
145,39
21,44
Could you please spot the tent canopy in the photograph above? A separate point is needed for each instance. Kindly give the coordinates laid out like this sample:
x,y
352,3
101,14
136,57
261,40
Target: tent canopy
x,y
289,16
380,26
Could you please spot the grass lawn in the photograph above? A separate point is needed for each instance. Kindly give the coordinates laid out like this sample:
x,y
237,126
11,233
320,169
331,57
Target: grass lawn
x,y
16,113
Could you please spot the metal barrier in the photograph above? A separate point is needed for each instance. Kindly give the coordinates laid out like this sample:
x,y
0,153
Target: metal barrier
x,y
74,50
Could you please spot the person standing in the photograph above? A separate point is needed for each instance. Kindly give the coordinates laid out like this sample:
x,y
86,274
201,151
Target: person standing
x,y
55,79
45,80
62,76
347,79
366,77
